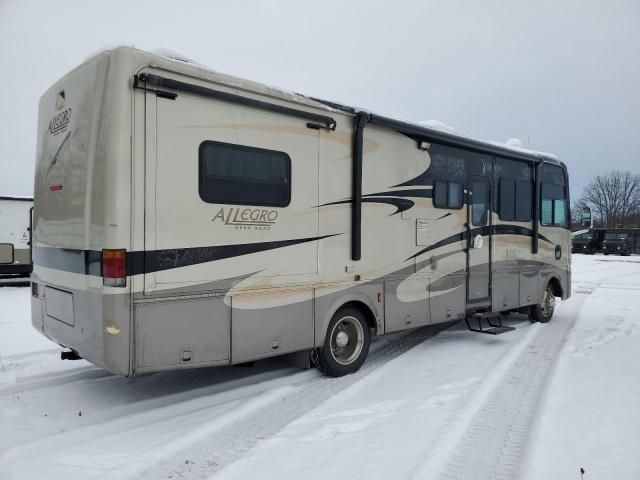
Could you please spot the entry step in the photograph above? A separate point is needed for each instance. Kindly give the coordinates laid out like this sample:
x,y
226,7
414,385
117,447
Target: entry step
x,y
497,330
485,316
486,322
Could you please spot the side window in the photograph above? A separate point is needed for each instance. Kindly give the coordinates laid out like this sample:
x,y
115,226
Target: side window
x,y
456,198
242,175
559,212
515,190
524,193
440,194
546,213
553,194
507,199
447,194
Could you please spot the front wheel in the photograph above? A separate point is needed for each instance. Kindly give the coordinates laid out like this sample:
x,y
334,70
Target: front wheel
x,y
543,311
346,345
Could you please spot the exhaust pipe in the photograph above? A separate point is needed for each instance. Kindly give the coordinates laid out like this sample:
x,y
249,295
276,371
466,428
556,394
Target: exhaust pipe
x,y
70,355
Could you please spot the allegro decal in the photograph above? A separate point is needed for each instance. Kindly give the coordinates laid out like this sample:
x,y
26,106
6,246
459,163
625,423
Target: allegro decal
x,y
247,218
60,122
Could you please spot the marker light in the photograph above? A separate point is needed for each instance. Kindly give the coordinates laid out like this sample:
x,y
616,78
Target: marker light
x,y
114,271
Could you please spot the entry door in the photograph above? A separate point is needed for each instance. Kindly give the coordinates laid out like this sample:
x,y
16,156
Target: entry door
x,y
479,241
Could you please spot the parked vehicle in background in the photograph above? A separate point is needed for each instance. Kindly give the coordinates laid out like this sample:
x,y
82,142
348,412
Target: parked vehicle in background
x,y
588,242
621,241
15,237
184,218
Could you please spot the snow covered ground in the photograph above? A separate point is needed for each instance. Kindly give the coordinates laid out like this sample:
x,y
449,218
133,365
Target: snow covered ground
x,y
540,402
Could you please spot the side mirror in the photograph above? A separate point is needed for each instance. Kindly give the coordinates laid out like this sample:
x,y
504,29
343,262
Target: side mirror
x,y
586,220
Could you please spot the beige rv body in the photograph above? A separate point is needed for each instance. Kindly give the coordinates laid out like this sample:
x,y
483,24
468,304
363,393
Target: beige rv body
x,y
218,284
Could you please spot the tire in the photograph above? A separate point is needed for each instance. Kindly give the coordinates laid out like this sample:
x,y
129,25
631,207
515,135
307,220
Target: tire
x,y
346,344
543,312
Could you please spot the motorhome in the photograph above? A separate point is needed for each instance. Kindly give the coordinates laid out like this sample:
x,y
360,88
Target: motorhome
x,y
621,241
15,237
589,242
185,218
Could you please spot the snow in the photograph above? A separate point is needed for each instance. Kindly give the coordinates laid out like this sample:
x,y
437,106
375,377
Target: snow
x,y
591,416
437,125
16,333
539,402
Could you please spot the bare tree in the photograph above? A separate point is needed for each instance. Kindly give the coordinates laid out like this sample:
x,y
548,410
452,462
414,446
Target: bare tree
x,y
614,198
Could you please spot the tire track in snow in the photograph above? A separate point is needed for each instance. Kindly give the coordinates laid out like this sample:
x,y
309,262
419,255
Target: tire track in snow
x,y
232,442
55,379
488,440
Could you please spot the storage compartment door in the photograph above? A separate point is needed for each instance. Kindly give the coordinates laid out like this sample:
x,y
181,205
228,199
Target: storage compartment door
x,y
182,333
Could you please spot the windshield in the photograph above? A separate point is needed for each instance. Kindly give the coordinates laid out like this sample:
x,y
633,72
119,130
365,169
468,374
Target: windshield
x,y
615,236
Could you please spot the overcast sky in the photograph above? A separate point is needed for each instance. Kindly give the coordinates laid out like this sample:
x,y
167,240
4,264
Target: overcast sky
x,y
561,75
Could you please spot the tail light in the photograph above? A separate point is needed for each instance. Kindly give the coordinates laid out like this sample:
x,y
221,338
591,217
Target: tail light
x,y
114,267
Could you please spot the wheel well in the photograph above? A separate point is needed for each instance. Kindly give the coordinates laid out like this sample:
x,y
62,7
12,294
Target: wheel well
x,y
366,311
556,287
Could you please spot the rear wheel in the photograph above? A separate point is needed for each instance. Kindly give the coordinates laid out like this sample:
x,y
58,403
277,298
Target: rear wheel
x,y
543,311
346,345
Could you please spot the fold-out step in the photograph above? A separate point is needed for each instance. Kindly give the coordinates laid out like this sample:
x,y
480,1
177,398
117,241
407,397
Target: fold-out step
x,y
493,323
495,330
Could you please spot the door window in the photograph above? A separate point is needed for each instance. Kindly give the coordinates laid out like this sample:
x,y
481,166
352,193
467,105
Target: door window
x,y
480,203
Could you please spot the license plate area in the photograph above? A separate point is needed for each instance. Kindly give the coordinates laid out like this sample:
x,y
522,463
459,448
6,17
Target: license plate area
x,y
58,304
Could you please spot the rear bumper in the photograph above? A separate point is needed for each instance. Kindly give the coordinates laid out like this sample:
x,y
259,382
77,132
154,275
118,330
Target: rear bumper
x,y
85,331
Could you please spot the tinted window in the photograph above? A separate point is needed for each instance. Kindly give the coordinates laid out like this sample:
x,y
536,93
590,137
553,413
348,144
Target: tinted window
x,y
507,199
524,192
480,203
513,169
552,174
455,195
440,194
555,192
243,175
447,194
515,190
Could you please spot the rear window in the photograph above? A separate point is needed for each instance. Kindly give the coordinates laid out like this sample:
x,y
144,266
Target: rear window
x,y
242,175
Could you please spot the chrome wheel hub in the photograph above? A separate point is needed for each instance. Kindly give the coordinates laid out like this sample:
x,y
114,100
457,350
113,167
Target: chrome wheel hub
x,y
347,340
342,339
